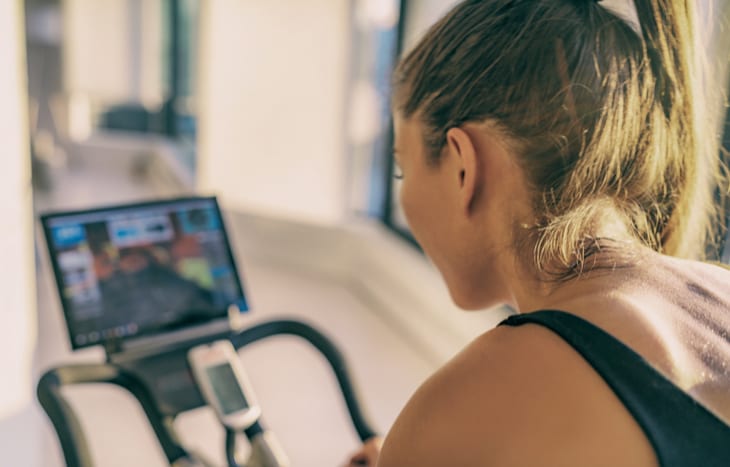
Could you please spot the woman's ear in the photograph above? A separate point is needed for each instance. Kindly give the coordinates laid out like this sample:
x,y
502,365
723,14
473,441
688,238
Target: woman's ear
x,y
465,162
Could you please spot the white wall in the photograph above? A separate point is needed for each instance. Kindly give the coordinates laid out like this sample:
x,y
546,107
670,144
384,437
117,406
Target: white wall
x,y
271,96
112,50
420,15
17,309
17,312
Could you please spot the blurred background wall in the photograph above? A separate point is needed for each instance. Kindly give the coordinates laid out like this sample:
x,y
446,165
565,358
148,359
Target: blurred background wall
x,y
16,249
127,33
17,278
272,94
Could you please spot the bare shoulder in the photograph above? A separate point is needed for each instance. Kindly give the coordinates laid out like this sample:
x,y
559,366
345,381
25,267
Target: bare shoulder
x,y
516,396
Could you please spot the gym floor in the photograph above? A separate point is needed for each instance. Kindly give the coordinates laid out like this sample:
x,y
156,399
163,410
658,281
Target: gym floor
x,y
297,392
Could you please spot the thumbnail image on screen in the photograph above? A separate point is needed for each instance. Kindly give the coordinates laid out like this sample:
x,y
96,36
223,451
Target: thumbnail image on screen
x,y
141,270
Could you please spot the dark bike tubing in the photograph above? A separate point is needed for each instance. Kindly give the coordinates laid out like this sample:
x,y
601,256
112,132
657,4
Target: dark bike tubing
x,y
327,348
66,424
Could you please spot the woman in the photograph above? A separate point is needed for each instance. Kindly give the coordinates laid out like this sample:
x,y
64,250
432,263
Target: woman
x,y
552,160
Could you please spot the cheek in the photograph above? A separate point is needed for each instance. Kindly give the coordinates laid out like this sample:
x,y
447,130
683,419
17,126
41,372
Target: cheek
x,y
409,205
419,212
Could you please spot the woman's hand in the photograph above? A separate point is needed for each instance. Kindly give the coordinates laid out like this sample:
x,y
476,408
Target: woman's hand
x,y
368,453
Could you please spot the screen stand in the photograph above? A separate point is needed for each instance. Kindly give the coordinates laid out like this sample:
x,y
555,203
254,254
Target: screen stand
x,y
236,320
112,346
163,367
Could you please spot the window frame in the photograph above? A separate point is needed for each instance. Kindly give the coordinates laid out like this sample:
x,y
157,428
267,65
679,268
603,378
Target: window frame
x,y
386,210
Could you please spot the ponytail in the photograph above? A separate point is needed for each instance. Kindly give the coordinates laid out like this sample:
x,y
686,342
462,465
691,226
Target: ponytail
x,y
674,55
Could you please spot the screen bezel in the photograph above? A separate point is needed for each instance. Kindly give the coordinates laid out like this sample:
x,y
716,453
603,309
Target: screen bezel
x,y
47,217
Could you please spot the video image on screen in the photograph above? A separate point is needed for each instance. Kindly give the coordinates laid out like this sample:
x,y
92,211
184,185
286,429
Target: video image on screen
x,y
143,271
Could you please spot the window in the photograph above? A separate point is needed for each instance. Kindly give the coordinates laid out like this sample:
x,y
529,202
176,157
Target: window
x,y
128,68
178,112
376,32
415,17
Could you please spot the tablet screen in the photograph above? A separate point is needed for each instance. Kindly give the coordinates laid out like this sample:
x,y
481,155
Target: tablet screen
x,y
142,269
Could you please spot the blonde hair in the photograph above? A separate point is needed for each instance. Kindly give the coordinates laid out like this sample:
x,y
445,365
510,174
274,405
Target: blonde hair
x,y
602,114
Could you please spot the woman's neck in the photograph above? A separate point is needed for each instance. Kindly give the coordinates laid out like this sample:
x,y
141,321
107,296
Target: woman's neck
x,y
611,266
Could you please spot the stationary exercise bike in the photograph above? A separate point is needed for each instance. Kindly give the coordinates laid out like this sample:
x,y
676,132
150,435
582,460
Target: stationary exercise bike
x,y
162,403
162,271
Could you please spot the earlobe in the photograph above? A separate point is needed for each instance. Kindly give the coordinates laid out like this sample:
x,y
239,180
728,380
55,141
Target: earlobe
x,y
460,144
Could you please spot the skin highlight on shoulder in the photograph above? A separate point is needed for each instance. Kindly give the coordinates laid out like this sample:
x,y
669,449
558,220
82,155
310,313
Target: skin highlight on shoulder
x,y
516,397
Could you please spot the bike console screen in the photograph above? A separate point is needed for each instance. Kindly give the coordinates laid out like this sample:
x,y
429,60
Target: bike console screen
x,y
142,269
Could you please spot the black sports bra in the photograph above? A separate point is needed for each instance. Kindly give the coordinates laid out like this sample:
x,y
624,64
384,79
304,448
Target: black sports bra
x,y
682,432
